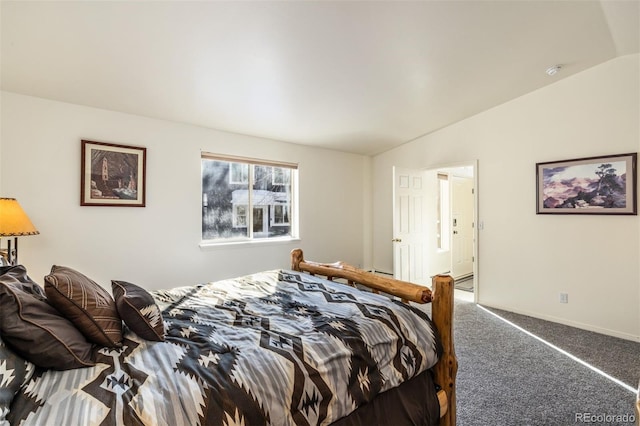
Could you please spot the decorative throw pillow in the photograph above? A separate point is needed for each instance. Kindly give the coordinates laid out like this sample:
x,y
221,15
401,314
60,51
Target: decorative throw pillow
x,y
87,305
138,310
34,329
14,372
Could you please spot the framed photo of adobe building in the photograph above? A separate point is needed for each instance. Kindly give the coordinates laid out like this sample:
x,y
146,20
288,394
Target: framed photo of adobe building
x,y
593,185
112,175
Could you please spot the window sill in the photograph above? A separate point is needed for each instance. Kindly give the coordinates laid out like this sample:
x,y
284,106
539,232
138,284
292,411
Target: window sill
x,y
247,243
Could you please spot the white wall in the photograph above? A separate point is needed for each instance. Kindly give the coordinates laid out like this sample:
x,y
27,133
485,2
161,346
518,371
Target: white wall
x,y
158,246
526,260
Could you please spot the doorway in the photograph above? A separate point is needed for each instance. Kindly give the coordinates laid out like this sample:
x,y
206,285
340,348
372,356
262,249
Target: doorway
x,y
462,224
434,224
259,221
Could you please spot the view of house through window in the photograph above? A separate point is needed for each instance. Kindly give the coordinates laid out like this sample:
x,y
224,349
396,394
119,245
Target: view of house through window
x,y
246,199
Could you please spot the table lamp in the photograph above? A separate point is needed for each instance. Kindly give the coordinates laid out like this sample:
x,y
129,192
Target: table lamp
x,y
14,222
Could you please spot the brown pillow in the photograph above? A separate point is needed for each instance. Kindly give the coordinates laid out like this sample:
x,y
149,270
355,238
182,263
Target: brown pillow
x,y
34,329
87,305
138,310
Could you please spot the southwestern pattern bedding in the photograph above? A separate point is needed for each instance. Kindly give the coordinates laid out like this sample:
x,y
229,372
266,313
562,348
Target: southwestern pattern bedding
x,y
276,347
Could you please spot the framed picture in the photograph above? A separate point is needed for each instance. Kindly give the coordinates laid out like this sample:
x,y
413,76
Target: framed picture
x,y
112,175
594,185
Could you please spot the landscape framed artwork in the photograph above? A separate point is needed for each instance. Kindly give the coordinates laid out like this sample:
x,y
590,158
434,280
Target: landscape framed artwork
x,y
112,175
593,185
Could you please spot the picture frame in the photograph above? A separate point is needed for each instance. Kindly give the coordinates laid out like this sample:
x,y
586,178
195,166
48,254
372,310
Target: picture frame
x,y
112,175
605,185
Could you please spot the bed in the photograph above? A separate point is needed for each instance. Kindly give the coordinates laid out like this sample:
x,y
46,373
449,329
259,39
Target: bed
x,y
303,346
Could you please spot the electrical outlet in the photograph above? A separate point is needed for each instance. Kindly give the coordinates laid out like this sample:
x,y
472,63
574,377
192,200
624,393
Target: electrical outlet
x,y
564,298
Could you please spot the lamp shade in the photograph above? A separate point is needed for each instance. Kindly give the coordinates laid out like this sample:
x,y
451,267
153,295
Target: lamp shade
x,y
14,222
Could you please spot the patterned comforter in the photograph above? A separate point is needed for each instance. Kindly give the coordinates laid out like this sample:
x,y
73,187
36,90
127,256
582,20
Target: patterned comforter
x,y
276,347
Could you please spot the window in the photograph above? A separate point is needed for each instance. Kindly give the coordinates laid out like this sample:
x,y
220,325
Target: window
x,y
247,199
280,214
239,173
240,216
280,176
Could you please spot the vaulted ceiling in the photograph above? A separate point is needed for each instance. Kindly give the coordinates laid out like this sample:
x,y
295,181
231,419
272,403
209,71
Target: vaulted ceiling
x,y
357,76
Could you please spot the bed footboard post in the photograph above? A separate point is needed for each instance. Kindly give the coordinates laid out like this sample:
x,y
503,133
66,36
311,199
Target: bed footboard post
x,y
296,258
447,367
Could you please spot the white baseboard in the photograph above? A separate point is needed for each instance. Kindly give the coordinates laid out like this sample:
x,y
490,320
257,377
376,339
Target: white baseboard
x,y
575,324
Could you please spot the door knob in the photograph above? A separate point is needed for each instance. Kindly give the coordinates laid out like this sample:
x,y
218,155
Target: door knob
x,y
396,240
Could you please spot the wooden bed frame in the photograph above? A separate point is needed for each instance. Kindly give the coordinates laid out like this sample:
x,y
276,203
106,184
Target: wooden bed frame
x,y
441,298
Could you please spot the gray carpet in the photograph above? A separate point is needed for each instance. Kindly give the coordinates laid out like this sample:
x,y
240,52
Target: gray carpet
x,y
619,358
465,284
506,377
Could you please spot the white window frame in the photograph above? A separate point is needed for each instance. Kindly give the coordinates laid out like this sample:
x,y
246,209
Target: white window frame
x,y
292,205
277,182
273,215
232,173
236,216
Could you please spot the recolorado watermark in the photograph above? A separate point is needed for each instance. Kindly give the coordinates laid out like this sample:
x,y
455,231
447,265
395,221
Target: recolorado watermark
x,y
604,418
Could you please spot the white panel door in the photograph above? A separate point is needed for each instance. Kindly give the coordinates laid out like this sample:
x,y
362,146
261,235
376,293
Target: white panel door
x,y
408,226
462,216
